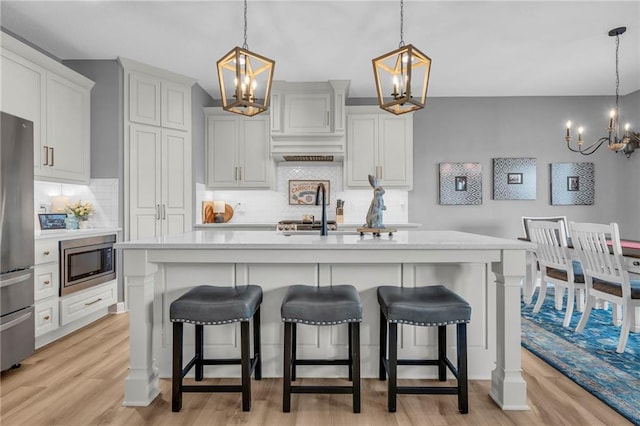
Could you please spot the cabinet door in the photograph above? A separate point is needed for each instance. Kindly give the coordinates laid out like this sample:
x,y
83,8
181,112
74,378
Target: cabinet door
x,y
395,156
68,129
176,106
362,143
22,85
254,153
176,182
222,147
144,99
145,162
307,113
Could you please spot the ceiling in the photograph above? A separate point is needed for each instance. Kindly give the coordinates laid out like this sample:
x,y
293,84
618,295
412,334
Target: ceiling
x,y
478,48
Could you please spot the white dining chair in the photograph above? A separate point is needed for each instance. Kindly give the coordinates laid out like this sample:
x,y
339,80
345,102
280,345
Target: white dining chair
x,y
606,276
556,266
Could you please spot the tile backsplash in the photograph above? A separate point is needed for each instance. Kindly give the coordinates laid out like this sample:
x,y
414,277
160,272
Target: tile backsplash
x,y
261,206
102,193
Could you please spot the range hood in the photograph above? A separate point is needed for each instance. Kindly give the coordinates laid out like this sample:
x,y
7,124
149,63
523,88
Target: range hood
x,y
308,120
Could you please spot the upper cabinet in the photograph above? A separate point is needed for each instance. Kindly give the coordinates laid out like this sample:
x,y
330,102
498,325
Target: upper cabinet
x,y
379,144
57,100
159,102
237,151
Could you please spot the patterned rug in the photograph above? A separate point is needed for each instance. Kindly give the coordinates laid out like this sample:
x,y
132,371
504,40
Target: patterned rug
x,y
588,358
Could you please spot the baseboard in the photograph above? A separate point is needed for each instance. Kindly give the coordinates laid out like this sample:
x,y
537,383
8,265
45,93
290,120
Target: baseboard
x,y
117,308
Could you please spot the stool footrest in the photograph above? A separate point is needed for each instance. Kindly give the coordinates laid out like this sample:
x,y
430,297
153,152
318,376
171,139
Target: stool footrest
x,y
322,362
321,389
221,361
211,388
435,390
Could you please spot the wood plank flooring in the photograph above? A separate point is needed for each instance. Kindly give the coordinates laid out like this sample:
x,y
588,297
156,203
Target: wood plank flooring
x,y
79,380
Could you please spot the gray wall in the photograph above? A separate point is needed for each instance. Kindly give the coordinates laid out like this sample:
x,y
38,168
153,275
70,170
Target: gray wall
x,y
480,129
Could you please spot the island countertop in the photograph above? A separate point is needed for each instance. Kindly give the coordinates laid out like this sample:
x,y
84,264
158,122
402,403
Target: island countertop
x,y
242,240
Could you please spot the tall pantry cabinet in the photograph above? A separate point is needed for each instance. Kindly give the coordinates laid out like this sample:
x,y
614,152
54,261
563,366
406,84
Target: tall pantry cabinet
x,y
157,164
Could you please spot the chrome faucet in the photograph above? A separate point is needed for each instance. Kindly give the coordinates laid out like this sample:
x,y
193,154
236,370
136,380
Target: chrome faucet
x,y
323,230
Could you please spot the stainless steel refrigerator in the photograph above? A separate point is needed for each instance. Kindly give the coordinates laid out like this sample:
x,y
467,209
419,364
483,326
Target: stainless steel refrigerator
x,y
17,317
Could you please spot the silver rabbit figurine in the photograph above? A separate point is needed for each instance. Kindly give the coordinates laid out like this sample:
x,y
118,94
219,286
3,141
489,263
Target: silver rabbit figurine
x,y
374,215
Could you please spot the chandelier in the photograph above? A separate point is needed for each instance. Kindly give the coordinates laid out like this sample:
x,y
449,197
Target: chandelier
x,y
402,76
245,79
626,142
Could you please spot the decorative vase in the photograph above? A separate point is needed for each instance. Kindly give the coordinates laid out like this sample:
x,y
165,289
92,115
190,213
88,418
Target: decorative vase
x,y
83,224
71,222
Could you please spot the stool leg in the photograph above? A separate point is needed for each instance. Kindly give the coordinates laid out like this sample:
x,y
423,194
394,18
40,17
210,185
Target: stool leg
x,y
294,344
245,361
176,379
354,342
257,348
383,346
286,380
393,367
442,353
463,389
350,339
199,349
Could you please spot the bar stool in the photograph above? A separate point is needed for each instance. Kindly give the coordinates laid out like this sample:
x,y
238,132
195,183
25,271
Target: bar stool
x,y
312,305
430,306
212,305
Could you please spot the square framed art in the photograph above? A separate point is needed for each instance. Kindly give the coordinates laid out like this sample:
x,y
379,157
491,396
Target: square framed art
x,y
460,183
514,179
572,184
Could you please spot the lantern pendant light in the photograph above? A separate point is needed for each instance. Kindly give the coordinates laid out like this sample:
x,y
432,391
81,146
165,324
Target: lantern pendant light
x,y
245,79
402,76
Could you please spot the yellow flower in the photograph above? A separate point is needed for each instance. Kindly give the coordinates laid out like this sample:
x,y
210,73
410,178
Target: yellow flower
x,y
79,210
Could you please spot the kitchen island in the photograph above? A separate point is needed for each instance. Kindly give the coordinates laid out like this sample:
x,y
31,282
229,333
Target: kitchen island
x,y
485,270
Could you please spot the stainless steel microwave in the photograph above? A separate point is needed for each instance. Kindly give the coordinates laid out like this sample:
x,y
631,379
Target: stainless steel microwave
x,y
86,262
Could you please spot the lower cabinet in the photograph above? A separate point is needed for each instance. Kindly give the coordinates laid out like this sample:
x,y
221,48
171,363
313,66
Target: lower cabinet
x,y
81,304
47,316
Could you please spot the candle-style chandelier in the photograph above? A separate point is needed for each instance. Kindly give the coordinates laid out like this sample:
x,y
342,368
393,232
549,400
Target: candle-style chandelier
x,y
245,79
402,76
626,142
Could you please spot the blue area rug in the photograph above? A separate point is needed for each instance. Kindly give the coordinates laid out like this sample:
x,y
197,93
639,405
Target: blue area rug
x,y
588,358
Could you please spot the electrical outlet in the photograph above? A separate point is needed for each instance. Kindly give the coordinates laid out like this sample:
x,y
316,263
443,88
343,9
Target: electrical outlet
x,y
43,207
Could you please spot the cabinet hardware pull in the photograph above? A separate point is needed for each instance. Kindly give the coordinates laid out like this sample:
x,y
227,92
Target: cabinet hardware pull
x,y
46,318
91,303
46,253
240,170
46,282
164,211
636,263
157,211
327,123
380,172
52,160
46,156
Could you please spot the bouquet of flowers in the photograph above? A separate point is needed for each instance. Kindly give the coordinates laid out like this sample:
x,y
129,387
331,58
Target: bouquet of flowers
x,y
79,210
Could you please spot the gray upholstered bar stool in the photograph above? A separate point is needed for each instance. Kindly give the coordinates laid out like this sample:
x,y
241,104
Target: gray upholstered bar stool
x,y
212,305
431,306
313,305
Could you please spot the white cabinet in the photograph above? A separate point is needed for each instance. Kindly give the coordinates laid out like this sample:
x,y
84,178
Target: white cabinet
x,y
159,181
159,102
46,286
157,163
57,100
379,144
237,150
307,113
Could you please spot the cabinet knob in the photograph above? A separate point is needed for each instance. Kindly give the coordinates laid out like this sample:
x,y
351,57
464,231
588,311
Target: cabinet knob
x,y
46,317
46,282
46,253
636,263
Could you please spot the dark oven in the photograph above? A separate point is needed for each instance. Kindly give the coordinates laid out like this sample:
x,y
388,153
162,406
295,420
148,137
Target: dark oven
x,y
85,262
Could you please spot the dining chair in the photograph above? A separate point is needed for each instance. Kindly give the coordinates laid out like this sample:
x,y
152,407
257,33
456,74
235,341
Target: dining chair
x,y
556,266
606,275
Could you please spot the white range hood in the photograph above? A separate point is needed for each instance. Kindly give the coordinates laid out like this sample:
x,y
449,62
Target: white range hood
x,y
308,120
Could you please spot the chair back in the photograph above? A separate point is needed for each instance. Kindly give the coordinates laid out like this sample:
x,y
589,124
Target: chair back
x,y
528,219
600,252
552,250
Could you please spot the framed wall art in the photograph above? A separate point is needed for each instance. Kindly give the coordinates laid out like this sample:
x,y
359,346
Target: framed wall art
x,y
303,192
572,184
514,179
460,183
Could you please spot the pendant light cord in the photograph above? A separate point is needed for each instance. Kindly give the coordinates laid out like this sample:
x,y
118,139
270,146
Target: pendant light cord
x,y
245,46
401,23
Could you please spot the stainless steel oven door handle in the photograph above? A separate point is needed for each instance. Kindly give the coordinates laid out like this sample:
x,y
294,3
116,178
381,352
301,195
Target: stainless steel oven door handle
x,y
15,280
15,322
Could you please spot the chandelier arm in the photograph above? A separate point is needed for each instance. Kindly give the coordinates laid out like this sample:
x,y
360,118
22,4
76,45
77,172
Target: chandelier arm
x,y
590,149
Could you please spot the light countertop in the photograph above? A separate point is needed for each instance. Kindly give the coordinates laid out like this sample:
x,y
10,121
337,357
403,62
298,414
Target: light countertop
x,y
401,240
67,234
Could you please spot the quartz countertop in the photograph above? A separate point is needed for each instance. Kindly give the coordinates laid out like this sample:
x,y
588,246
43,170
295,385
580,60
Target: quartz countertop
x,y
401,240
67,234
272,225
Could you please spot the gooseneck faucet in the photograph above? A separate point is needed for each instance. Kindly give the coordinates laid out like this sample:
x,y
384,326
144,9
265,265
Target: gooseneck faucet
x,y
323,230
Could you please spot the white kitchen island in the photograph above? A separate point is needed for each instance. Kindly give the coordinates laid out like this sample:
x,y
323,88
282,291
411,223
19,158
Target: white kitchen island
x,y
485,270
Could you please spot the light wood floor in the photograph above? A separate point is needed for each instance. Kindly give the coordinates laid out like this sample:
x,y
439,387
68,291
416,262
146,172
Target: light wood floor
x,y
79,380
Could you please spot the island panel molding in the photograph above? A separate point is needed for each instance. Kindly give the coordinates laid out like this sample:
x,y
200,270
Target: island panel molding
x,y
160,270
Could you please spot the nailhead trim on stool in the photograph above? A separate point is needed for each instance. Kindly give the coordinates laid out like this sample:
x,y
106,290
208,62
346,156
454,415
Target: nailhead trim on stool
x,y
311,305
213,305
430,306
